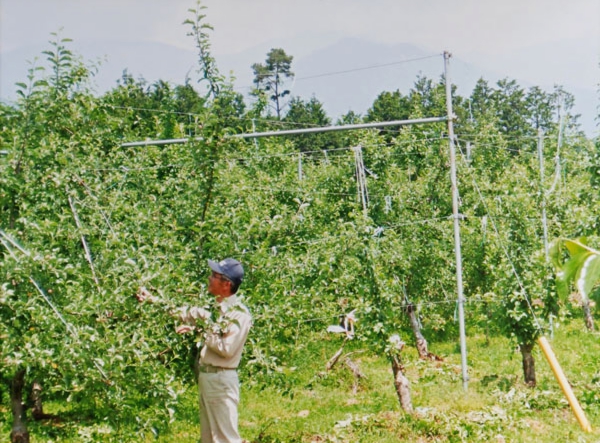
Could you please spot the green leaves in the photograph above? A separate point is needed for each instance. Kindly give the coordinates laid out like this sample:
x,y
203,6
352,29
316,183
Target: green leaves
x,y
581,269
152,216
206,62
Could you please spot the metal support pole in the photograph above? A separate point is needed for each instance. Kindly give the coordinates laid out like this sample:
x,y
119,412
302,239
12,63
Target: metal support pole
x,y
557,172
456,216
292,131
540,148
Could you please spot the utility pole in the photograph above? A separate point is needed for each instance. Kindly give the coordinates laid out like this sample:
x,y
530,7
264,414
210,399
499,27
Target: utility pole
x,y
540,149
456,217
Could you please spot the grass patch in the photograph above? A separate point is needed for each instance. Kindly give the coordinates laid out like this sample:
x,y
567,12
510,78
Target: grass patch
x,y
316,405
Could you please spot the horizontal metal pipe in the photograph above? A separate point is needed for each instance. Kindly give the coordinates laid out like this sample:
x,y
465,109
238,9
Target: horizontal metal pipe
x,y
173,141
292,131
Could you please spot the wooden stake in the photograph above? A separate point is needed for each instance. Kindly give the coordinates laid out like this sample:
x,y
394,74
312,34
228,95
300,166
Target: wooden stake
x,y
564,385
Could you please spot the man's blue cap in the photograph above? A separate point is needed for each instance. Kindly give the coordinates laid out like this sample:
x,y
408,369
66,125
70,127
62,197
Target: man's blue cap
x,y
230,268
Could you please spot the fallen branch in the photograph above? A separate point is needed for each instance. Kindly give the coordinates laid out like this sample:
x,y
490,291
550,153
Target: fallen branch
x,y
333,360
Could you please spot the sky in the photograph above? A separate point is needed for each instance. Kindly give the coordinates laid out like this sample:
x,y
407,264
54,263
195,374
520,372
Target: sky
x,y
541,41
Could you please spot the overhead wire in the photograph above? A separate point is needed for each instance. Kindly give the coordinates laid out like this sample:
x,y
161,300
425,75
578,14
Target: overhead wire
x,y
351,70
365,68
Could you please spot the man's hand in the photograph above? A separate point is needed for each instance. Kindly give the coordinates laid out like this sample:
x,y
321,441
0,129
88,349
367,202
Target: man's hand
x,y
184,329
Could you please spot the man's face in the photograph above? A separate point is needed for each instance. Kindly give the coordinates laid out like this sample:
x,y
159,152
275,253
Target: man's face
x,y
218,285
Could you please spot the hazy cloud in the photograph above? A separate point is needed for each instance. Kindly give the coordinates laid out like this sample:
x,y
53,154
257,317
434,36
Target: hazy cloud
x,y
462,25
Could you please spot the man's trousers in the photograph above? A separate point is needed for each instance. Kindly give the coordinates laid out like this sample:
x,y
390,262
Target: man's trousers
x,y
219,398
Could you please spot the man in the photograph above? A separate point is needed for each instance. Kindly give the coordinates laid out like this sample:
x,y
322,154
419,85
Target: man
x,y
220,356
224,339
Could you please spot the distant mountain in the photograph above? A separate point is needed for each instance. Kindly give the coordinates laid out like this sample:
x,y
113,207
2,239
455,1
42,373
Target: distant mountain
x,y
346,75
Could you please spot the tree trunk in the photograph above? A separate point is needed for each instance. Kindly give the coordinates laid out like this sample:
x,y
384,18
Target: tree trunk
x,y
19,433
402,385
587,314
416,328
528,364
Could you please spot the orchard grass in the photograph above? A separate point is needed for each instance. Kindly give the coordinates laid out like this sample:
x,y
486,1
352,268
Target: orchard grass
x,y
306,403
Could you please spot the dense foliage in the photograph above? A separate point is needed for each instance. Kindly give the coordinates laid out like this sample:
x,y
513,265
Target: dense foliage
x,y
85,222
